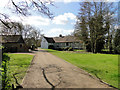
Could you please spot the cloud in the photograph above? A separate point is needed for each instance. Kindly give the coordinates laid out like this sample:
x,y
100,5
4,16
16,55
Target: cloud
x,y
70,1
64,19
4,3
57,31
32,20
37,21
66,1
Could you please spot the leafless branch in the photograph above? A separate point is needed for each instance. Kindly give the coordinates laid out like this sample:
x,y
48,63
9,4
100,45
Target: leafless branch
x,y
24,7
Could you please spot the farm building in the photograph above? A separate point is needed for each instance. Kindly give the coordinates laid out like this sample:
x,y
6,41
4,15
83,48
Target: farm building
x,y
61,42
13,43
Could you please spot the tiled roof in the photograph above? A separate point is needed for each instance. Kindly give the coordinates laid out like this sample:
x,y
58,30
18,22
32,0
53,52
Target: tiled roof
x,y
66,39
11,39
62,39
49,39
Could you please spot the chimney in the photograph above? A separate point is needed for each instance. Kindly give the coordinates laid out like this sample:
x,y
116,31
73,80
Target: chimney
x,y
60,35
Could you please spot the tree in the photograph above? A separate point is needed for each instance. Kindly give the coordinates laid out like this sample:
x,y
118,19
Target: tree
x,y
34,36
27,31
23,8
93,24
81,27
97,34
15,28
110,22
82,31
117,41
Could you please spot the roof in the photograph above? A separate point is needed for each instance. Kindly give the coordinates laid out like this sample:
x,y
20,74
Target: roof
x,y
62,39
11,39
66,39
49,39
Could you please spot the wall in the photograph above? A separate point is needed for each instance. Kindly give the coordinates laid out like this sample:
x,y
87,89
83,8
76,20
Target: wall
x,y
44,43
75,45
15,47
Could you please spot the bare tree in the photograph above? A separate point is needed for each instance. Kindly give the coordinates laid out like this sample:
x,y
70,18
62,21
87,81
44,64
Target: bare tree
x,y
23,7
15,28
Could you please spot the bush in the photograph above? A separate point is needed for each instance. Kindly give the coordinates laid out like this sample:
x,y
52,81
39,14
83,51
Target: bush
x,y
70,49
66,48
59,49
51,47
5,76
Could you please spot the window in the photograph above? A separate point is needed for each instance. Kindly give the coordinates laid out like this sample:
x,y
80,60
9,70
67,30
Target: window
x,y
20,45
67,44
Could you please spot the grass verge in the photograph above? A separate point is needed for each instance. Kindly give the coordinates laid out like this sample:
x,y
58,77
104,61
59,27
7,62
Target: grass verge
x,y
105,66
18,64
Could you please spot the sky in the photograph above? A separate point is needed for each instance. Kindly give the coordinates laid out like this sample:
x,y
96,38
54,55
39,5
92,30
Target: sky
x,y
64,11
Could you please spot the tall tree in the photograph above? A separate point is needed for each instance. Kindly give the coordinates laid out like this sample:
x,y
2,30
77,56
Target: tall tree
x,y
110,21
117,41
97,32
81,29
94,20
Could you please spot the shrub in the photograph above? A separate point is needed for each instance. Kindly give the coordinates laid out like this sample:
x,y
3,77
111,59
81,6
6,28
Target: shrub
x,y
70,49
5,76
65,48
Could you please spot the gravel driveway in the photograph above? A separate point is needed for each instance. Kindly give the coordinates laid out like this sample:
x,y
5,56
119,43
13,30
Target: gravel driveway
x,y
49,71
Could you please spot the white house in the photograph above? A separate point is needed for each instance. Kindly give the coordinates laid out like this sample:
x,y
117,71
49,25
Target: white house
x,y
46,42
61,42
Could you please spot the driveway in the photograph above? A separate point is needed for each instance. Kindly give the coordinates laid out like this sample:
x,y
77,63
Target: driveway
x,y
49,71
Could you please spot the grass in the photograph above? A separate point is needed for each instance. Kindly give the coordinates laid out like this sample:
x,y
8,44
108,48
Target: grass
x,y
80,50
105,50
105,66
19,64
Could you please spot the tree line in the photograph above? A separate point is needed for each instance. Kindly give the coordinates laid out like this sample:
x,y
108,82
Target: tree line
x,y
95,26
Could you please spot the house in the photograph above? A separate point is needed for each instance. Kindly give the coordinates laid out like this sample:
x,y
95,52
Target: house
x,y
13,43
61,42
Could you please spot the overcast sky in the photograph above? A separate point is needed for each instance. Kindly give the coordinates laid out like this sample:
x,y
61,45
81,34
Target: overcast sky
x,y
64,12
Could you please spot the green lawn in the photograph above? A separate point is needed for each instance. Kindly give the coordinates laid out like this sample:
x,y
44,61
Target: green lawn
x,y
19,64
80,50
104,65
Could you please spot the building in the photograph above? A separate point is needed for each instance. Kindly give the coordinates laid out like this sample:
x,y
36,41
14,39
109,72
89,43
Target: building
x,y
61,42
13,43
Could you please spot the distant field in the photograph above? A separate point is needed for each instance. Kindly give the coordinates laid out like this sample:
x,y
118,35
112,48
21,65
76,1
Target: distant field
x,y
105,66
18,63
